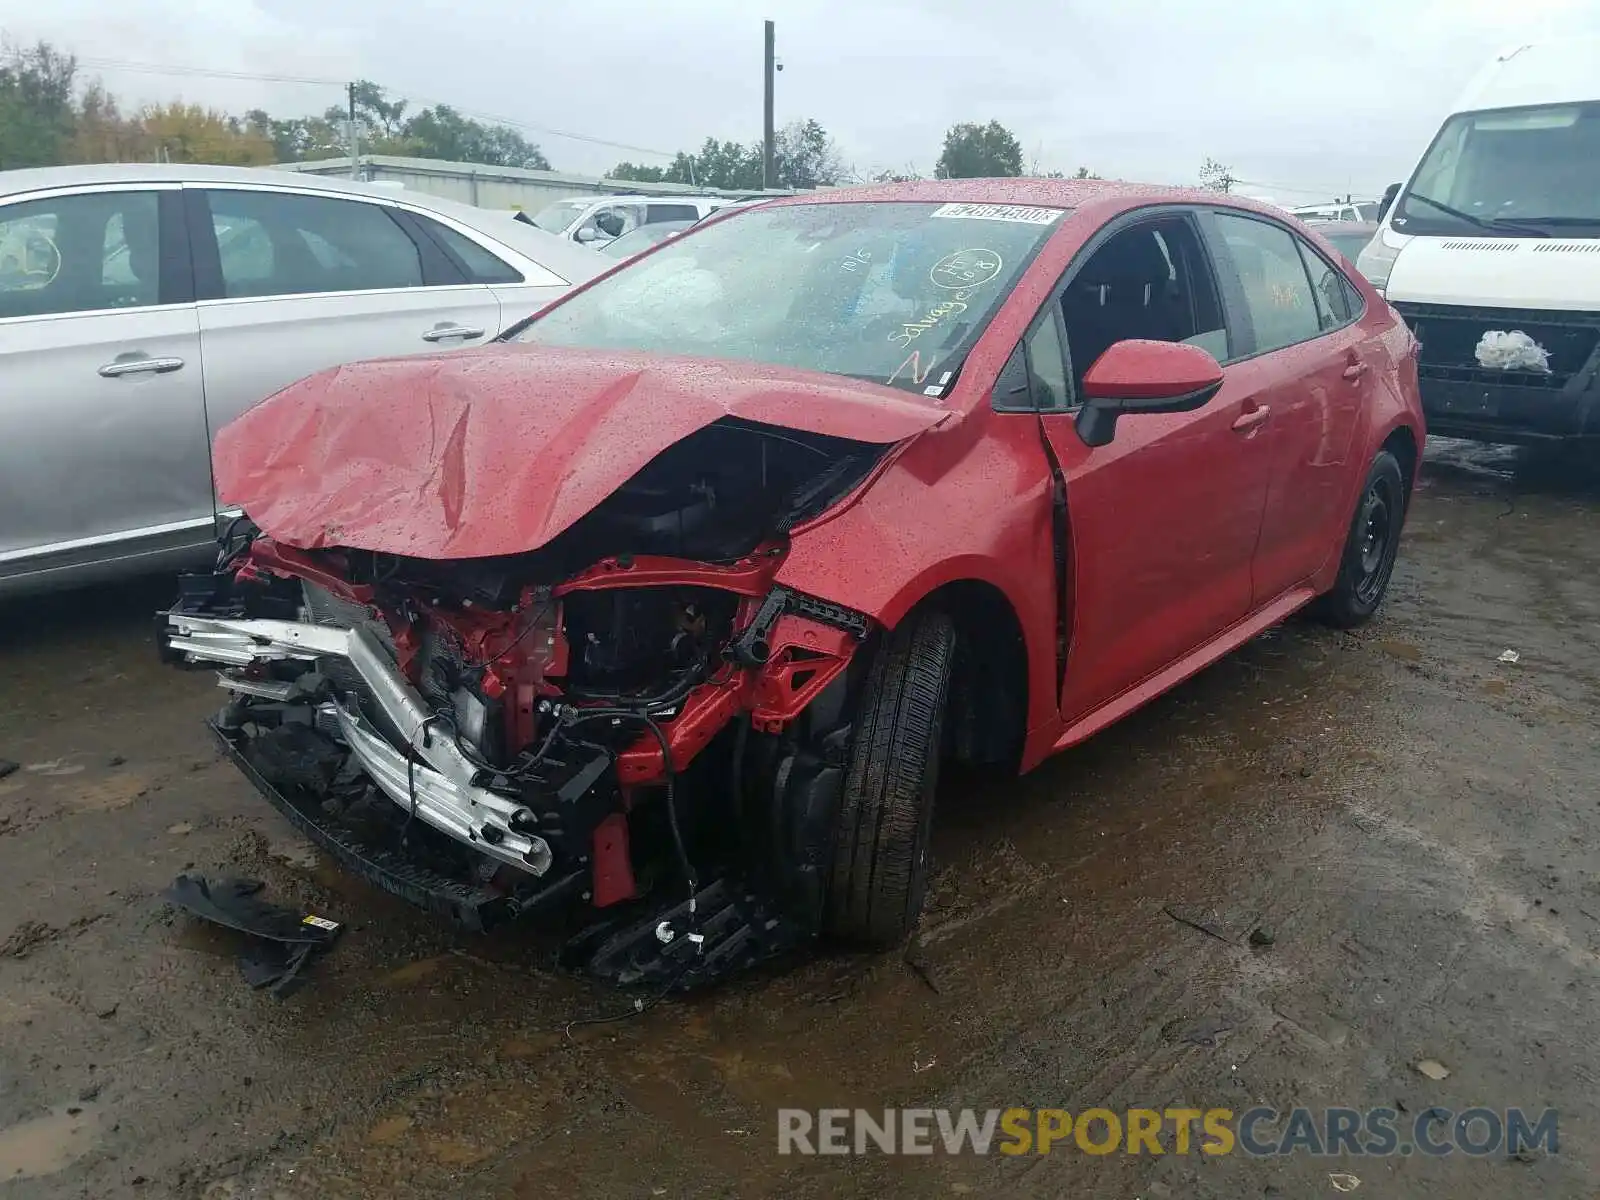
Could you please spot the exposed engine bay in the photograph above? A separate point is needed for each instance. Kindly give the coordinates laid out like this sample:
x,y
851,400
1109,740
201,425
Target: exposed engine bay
x,y
632,722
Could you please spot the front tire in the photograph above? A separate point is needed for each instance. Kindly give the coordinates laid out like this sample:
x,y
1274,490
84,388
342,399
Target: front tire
x,y
879,871
1370,548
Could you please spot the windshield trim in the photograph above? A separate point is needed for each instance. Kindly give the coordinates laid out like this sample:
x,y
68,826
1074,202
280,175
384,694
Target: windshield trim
x,y
1451,225
955,359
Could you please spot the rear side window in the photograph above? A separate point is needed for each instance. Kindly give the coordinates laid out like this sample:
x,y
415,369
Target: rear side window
x,y
80,253
482,266
670,212
1277,290
1330,289
280,244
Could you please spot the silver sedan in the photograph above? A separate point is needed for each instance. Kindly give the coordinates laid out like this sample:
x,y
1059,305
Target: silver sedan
x,y
142,307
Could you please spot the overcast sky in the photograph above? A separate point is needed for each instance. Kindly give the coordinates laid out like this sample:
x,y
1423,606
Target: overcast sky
x,y
1300,97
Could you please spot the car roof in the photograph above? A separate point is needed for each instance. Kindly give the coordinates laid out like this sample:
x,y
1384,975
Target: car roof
x,y
573,262
641,198
1109,195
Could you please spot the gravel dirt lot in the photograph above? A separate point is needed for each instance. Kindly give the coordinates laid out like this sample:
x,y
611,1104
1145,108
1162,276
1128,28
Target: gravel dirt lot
x,y
1415,822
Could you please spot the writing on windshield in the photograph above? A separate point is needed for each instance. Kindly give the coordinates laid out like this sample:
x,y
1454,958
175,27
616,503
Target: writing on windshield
x,y
891,292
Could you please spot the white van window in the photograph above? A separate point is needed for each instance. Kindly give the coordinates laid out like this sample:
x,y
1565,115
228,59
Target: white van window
x,y
1506,170
558,217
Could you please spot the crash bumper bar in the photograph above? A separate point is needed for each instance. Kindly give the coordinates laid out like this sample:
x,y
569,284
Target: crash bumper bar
x,y
435,781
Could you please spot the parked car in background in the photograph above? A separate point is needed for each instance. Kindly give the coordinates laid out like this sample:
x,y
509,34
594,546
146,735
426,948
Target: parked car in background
x,y
1490,251
1349,210
1349,238
740,539
637,241
596,220
143,306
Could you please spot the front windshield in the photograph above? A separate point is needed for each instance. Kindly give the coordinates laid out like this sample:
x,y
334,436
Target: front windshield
x,y
643,238
1509,172
891,292
556,217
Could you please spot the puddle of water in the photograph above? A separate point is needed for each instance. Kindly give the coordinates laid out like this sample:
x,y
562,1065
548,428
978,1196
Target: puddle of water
x,y
49,1143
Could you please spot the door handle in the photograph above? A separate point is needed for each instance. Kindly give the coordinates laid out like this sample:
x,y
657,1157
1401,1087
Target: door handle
x,y
1355,370
142,365
1250,418
440,333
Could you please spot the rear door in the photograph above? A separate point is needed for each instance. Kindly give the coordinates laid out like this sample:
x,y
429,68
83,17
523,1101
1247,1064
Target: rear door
x,y
1311,371
103,448
291,283
1164,519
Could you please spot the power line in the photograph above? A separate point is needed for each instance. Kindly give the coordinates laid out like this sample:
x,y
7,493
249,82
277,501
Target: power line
x,y
175,69
117,64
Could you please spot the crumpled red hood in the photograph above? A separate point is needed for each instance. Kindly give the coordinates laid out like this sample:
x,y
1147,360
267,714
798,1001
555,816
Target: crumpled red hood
x,y
497,451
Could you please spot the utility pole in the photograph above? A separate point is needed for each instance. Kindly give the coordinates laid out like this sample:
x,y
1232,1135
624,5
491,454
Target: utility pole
x,y
355,149
768,139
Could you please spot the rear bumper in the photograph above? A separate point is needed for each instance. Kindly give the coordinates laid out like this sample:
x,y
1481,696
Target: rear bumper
x,y
1508,413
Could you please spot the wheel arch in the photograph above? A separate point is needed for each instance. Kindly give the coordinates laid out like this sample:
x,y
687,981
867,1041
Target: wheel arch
x,y
987,720
1403,444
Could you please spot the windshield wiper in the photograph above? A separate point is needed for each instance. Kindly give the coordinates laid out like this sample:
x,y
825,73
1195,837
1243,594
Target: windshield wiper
x,y
1480,222
1558,221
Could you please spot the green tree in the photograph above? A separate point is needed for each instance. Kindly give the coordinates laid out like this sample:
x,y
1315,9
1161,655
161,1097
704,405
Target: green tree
x,y
37,118
973,151
637,172
1216,177
442,132
296,138
804,156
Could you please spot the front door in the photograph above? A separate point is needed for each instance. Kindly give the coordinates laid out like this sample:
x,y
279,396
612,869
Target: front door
x,y
103,448
1164,519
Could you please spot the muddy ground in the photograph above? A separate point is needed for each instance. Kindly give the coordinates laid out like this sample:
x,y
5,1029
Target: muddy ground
x,y
1413,820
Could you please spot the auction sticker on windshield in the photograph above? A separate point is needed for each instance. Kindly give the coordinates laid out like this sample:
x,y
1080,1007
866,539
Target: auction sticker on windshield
x,y
965,268
999,212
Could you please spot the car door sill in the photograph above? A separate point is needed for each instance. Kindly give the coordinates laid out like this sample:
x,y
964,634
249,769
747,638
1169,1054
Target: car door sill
x,y
1148,689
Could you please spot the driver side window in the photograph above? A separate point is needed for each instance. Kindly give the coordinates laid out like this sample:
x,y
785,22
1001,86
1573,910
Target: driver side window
x,y
1151,281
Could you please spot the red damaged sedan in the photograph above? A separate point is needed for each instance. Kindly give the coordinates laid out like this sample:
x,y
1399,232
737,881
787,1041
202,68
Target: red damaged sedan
x,y
665,612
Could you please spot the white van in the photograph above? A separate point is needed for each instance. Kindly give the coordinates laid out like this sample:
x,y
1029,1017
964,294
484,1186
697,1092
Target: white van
x,y
596,220
1491,251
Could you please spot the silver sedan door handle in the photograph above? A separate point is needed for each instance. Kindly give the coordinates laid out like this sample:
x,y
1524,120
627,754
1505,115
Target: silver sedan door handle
x,y
441,333
143,364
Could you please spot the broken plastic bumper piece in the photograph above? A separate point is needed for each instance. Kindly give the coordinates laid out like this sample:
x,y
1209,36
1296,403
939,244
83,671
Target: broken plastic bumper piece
x,y
432,779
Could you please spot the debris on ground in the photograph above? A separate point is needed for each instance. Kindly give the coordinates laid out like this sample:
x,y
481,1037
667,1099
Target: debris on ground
x,y
1262,935
1509,656
1200,924
279,941
1343,1182
1433,1069
8,766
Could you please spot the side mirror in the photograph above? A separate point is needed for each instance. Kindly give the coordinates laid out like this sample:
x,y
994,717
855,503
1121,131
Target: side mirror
x,y
587,234
1384,205
1144,377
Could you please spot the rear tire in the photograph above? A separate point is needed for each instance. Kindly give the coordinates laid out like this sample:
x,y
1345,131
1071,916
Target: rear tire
x,y
879,871
1370,548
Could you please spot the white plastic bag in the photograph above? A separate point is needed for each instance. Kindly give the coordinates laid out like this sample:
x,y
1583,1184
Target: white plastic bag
x,y
1513,351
